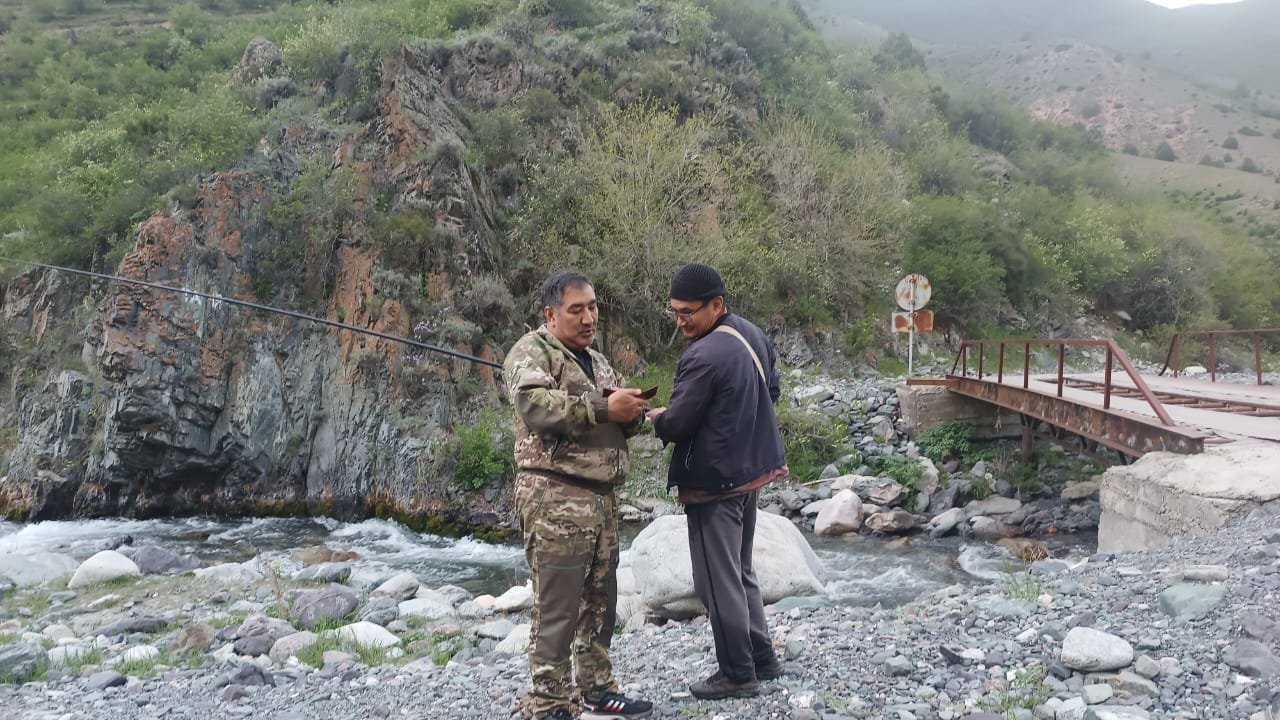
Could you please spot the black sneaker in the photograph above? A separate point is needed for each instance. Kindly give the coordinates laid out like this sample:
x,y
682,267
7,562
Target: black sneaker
x,y
771,670
719,686
614,706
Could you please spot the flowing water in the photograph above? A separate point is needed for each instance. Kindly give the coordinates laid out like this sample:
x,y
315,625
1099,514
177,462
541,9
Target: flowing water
x,y
859,570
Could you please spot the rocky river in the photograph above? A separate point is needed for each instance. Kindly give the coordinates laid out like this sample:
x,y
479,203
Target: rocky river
x,y
301,630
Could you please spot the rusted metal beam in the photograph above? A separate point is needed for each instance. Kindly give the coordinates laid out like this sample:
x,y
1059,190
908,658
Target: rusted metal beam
x,y
1124,432
1171,357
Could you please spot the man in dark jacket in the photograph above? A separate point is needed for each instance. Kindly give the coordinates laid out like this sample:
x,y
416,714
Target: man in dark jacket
x,y
727,446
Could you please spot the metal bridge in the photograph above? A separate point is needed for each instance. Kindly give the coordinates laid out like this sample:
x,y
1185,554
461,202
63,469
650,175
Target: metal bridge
x,y
1118,408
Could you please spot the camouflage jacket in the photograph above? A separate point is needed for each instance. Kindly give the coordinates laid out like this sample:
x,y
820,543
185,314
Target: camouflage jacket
x,y
561,415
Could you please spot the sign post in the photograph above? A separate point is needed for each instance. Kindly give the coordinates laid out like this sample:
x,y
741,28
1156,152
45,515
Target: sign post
x,y
912,294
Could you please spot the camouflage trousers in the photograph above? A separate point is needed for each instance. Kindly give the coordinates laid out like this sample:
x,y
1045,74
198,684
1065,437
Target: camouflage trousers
x,y
571,543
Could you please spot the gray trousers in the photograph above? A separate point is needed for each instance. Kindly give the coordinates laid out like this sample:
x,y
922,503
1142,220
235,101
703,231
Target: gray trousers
x,y
721,537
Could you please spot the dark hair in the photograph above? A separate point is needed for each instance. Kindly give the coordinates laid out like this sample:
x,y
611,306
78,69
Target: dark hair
x,y
554,286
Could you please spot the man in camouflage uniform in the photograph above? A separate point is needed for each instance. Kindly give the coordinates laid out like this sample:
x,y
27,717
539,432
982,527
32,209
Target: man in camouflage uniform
x,y
571,451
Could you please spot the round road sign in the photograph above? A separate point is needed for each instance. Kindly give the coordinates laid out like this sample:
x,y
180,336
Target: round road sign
x,y
913,292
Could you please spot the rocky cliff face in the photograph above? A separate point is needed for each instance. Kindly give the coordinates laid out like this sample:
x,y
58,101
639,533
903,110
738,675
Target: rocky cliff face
x,y
181,405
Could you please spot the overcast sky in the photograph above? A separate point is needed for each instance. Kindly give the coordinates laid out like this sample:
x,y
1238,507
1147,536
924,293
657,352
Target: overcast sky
x,y
1184,3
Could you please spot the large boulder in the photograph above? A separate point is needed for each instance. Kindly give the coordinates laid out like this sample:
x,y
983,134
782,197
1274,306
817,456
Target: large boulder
x,y
784,564
103,567
35,568
842,514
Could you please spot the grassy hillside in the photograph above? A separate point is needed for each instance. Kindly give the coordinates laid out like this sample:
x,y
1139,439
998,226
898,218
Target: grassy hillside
x,y
671,131
1247,199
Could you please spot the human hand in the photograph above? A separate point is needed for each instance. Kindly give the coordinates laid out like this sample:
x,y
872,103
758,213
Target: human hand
x,y
625,404
653,413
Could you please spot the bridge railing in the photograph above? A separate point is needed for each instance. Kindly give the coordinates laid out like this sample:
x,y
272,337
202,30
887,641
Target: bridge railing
x,y
1115,354
1171,358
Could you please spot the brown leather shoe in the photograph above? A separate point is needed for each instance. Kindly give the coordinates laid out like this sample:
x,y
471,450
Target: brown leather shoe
x,y
769,671
718,686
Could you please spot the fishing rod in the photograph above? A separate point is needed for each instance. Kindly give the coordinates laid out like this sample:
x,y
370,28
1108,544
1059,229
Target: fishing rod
x,y
264,308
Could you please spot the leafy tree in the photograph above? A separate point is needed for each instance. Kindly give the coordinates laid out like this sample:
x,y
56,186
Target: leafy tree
x,y
897,53
949,240
1231,143
1164,152
627,208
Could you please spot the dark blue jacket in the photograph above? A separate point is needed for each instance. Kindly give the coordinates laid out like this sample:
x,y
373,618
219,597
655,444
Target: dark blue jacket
x,y
721,414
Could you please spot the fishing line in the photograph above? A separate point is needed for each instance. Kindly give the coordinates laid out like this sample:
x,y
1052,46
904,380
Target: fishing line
x,y
264,308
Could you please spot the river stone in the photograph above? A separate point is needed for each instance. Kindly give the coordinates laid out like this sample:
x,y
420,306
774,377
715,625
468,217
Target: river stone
x,y
991,506
1092,650
450,594
892,521
64,655
1115,712
515,643
842,514
990,528
148,624
881,428
57,631
1252,658
152,560
135,654
260,624
325,572
290,645
1146,666
105,679
815,507
496,629
366,634
232,573
254,645
247,674
197,637
1259,627
1096,693
784,563
103,567
400,587
425,607
514,599
1205,573
36,568
1186,601
1129,684
945,522
314,607
1079,490
380,610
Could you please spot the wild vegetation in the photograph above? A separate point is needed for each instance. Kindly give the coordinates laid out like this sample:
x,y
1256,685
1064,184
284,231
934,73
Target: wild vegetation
x,y
813,175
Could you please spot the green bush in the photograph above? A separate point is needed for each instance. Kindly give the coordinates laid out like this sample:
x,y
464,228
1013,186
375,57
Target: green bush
x,y
951,438
811,442
1165,152
905,470
1249,132
1249,166
482,451
1231,143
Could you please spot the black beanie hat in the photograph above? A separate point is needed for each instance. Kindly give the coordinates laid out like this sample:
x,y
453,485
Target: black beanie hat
x,y
696,282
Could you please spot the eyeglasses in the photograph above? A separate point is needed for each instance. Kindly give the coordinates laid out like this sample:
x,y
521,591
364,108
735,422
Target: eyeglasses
x,y
685,315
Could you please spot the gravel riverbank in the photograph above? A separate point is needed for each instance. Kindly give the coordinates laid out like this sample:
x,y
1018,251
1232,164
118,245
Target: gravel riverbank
x,y
1185,632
